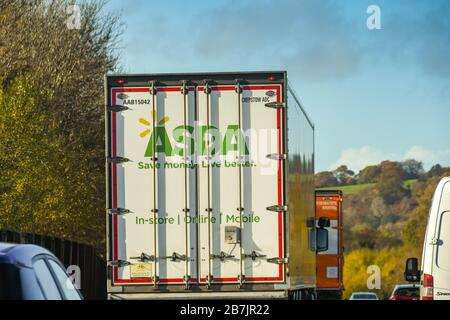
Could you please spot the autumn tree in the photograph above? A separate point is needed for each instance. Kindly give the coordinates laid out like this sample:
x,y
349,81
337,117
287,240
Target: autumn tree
x,y
344,175
390,183
390,261
325,179
362,235
435,171
369,174
412,168
414,231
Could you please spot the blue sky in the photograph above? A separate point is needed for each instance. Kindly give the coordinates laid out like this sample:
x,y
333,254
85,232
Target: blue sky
x,y
372,94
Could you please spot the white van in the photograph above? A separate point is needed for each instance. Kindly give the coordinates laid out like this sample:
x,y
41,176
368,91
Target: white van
x,y
435,270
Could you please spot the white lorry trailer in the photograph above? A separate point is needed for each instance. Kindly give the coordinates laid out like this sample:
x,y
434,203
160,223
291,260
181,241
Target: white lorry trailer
x,y
210,188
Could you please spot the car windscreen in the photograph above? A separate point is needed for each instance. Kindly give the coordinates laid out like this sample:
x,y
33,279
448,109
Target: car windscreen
x,y
10,282
407,292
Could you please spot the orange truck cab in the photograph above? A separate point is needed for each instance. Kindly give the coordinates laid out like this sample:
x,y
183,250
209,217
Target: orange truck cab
x,y
329,263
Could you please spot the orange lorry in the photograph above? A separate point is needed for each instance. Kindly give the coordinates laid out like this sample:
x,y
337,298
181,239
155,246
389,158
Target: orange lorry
x,y
329,263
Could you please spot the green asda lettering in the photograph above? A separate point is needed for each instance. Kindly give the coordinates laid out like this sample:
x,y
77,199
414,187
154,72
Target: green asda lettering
x,y
209,141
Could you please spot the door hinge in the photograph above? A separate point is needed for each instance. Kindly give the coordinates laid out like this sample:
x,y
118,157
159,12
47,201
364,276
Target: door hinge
x,y
155,280
118,160
118,211
207,88
278,260
116,108
209,280
187,278
184,89
276,156
275,105
241,279
238,87
119,263
153,91
277,208
435,242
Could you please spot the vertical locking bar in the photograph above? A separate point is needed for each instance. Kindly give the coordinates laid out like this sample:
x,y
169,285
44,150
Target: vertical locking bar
x,y
238,89
153,92
207,91
185,93
196,191
108,174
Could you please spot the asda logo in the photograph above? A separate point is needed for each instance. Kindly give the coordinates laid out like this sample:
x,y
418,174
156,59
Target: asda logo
x,y
184,140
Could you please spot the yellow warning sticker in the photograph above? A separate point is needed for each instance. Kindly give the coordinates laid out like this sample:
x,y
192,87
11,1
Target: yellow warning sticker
x,y
141,270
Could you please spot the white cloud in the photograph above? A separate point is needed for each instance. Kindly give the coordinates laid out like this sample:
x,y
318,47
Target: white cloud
x,y
428,157
358,158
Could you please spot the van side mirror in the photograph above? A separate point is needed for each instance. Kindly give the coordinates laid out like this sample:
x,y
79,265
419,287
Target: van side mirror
x,y
321,240
324,222
412,272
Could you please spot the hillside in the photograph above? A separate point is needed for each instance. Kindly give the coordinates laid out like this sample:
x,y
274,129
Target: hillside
x,y
350,189
356,188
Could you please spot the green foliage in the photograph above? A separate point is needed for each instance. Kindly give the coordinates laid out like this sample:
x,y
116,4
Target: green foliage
x,y
325,179
26,174
436,171
47,187
383,234
369,175
390,261
51,119
350,189
385,221
365,235
390,182
414,231
344,176
409,183
355,270
357,188
412,168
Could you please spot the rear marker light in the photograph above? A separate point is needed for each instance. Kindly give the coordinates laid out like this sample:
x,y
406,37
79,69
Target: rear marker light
x,y
271,78
120,81
428,285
